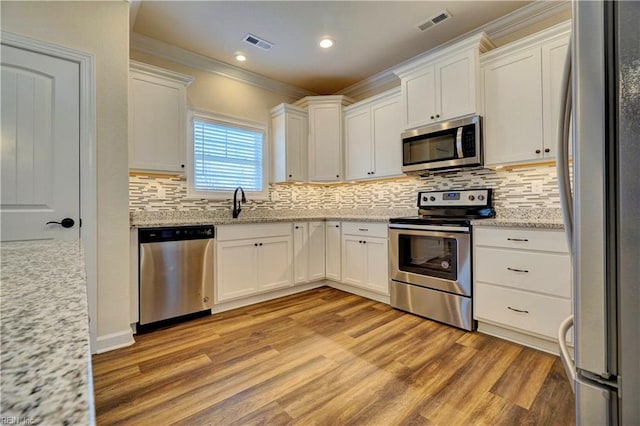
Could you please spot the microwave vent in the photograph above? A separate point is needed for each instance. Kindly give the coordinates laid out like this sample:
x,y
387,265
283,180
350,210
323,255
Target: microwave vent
x,y
435,20
258,42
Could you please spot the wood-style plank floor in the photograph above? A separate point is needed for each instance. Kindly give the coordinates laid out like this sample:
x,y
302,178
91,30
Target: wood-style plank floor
x,y
326,357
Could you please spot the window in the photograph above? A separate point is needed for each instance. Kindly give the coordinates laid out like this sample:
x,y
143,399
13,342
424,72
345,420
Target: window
x,y
224,155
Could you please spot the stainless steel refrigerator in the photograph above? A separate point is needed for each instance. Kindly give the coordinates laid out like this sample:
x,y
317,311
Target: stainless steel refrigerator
x,y
603,218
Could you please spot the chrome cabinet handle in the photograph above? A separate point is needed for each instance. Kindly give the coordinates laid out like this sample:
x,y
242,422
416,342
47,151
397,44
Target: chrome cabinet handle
x,y
517,239
517,310
517,270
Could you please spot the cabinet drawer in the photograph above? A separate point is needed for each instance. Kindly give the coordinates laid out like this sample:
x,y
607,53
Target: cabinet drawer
x,y
518,238
526,270
541,314
366,229
252,230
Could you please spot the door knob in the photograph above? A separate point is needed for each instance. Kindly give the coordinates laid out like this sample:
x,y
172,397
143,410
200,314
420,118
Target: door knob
x,y
67,222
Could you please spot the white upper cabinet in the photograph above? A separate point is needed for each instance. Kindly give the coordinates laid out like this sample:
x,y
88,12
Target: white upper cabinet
x,y
157,118
372,137
522,97
442,85
325,137
289,142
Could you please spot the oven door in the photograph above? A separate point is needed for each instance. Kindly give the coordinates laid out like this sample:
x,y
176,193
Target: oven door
x,y
437,259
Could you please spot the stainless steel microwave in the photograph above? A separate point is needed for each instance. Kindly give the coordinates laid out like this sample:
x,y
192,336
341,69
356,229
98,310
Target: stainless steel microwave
x,y
442,146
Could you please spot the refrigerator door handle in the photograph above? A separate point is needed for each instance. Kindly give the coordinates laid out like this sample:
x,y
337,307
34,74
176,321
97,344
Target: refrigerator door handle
x,y
563,137
565,356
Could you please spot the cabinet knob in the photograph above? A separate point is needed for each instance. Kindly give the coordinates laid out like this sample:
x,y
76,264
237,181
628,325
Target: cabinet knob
x,y
373,173
260,244
547,150
255,244
182,165
337,176
437,115
537,151
337,226
290,175
432,117
297,227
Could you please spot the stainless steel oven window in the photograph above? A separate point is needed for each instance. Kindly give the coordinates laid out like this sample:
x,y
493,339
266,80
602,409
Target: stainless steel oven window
x,y
427,255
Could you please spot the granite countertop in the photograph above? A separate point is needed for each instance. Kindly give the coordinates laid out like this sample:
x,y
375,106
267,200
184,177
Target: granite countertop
x,y
44,347
525,218
549,218
180,218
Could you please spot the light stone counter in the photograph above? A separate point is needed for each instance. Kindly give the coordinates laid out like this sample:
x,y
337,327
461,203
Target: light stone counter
x,y
181,218
44,347
525,218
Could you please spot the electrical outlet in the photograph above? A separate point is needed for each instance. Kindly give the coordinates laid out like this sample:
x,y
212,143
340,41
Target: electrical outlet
x,y
536,187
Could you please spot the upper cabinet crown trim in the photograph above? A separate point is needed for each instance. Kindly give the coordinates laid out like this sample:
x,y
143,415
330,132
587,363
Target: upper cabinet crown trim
x,y
317,100
559,30
157,71
479,41
373,99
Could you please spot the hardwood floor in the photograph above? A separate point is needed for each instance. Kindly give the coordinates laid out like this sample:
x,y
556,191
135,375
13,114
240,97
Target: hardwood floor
x,y
327,357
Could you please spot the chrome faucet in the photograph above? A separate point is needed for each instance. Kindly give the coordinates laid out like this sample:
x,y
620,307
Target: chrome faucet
x,y
237,205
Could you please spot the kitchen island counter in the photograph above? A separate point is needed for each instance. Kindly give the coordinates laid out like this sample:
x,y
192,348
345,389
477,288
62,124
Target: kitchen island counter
x,y
45,334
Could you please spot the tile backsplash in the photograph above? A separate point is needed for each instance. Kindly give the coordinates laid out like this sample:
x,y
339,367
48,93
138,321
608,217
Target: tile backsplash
x,y
526,187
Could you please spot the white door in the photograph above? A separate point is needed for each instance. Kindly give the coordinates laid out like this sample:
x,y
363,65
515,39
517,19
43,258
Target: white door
x,y
40,146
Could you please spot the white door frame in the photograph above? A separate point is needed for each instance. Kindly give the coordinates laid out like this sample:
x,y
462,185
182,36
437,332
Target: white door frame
x,y
88,187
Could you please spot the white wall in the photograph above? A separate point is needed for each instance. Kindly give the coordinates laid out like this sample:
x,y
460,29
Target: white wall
x,y
101,28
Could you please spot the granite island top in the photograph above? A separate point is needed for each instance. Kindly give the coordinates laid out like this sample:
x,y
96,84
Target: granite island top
x,y
44,347
549,218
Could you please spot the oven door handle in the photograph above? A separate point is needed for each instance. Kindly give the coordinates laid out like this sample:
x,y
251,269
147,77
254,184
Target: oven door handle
x,y
437,228
459,143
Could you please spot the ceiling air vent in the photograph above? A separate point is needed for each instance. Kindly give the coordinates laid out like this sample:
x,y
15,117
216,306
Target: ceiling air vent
x,y
435,20
258,42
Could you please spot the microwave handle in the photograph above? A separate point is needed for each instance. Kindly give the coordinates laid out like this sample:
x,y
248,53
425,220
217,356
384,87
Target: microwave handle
x,y
459,142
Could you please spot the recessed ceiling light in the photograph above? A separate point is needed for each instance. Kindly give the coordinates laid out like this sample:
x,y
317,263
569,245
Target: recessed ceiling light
x,y
326,43
240,57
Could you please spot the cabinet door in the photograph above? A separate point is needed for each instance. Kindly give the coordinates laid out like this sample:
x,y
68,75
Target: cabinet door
x,y
157,123
296,142
358,141
387,145
333,257
316,245
275,258
300,253
236,269
456,86
354,257
419,98
325,142
553,56
377,272
513,108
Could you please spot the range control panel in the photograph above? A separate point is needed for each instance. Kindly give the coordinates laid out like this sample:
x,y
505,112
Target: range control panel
x,y
455,198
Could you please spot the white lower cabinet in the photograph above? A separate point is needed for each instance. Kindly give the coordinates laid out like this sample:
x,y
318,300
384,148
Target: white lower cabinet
x,y
522,283
251,259
309,251
333,257
365,256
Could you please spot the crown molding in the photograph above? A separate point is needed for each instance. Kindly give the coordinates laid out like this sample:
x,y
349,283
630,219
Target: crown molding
x,y
503,26
154,71
185,57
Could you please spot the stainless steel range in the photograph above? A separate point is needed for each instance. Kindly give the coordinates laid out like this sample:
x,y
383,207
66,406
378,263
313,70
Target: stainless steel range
x,y
430,256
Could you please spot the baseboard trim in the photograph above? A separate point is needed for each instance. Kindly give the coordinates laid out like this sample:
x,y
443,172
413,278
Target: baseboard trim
x,y
359,291
110,342
541,344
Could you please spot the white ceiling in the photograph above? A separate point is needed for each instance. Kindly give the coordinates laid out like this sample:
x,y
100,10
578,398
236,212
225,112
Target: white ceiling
x,y
371,36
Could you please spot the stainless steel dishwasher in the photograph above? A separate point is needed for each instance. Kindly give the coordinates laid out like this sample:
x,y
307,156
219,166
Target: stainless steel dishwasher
x,y
176,273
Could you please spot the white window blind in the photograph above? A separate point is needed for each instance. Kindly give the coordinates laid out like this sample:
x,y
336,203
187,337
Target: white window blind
x,y
225,157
